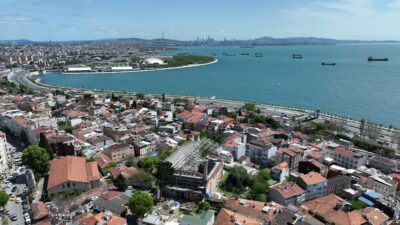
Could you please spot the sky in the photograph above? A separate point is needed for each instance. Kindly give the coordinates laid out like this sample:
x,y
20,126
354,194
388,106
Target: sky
x,y
43,20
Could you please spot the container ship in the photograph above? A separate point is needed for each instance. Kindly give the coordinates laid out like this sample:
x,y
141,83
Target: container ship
x,y
297,56
370,59
258,54
328,64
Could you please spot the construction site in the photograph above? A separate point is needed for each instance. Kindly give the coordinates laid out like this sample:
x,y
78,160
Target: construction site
x,y
197,171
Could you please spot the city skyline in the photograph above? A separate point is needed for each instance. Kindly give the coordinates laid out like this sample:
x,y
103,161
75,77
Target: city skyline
x,y
86,20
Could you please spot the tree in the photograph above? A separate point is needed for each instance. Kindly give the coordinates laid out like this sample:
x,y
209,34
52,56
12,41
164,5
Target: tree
x,y
129,162
3,198
164,154
110,165
258,189
362,126
148,163
37,159
140,96
356,205
249,107
202,206
140,203
43,143
237,179
120,183
263,175
163,174
163,97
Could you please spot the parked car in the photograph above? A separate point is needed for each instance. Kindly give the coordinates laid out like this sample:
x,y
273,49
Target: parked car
x,y
14,189
27,218
19,200
13,198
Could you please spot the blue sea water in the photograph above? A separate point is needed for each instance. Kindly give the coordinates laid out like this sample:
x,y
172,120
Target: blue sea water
x,y
354,87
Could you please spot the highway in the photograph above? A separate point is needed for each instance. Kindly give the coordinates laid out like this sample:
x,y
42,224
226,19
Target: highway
x,y
19,77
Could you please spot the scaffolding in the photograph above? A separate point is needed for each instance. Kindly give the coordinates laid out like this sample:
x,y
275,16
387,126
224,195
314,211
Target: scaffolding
x,y
189,156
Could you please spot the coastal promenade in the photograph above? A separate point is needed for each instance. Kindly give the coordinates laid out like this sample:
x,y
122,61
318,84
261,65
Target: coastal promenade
x,y
351,126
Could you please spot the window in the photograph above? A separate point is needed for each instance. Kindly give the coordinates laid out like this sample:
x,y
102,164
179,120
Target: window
x,y
68,185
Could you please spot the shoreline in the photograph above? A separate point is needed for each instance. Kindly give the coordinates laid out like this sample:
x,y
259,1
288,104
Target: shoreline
x,y
146,70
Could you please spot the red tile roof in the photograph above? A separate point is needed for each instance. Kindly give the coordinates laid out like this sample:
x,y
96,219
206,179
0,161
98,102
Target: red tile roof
x,y
227,217
288,189
312,178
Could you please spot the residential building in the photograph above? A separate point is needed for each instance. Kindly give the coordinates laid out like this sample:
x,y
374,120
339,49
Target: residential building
x,y
306,166
119,152
332,209
382,184
113,201
143,148
72,173
102,218
261,152
280,172
227,217
3,153
314,184
261,211
383,164
236,144
290,157
336,184
349,159
287,192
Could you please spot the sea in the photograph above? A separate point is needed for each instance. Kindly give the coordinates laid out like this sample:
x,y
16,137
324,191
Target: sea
x,y
352,88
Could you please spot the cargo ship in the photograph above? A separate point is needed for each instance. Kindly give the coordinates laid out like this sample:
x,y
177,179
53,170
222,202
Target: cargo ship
x,y
297,56
247,47
328,64
370,59
245,53
258,54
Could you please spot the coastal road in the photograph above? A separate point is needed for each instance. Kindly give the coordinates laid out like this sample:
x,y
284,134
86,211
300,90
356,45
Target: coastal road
x,y
20,77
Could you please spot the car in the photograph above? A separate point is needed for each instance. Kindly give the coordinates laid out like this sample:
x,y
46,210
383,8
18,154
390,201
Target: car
x,y
14,219
24,207
14,189
13,198
19,200
27,218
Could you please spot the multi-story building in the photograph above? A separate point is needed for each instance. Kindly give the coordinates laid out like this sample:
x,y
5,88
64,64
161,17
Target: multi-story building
x,y
383,164
280,172
236,144
349,159
290,157
287,192
336,184
261,152
3,153
196,174
314,184
119,152
382,184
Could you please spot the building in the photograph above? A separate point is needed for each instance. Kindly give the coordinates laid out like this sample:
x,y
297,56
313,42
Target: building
x,y
332,209
306,166
142,148
196,174
314,184
383,164
336,184
227,217
39,212
206,218
280,172
349,159
112,201
236,144
72,173
261,152
286,193
3,153
290,157
119,152
261,211
102,218
382,184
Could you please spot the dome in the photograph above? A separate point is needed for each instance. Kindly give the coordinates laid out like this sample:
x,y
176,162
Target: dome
x,y
153,61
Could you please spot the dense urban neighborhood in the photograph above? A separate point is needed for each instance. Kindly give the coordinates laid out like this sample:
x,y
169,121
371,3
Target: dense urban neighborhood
x,y
85,157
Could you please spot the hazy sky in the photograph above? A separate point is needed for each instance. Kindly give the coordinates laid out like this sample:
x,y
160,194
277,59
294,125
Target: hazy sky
x,y
188,19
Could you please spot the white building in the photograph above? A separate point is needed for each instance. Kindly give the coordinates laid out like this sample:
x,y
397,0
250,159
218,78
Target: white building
x,y
154,61
3,153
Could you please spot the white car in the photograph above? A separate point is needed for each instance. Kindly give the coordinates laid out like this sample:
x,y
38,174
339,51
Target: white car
x,y
19,200
27,218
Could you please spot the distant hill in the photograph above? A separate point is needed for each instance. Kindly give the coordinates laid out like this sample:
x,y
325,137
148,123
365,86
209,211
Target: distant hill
x,y
211,42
